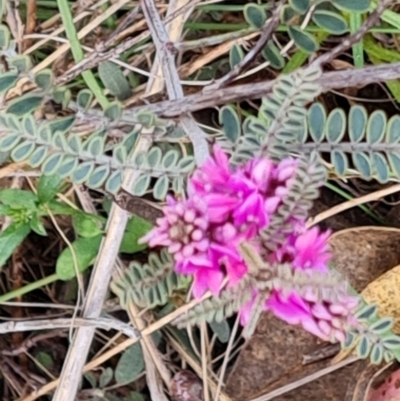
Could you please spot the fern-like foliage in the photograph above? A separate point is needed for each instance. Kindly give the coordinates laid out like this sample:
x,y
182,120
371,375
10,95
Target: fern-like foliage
x,y
48,146
372,143
218,308
151,284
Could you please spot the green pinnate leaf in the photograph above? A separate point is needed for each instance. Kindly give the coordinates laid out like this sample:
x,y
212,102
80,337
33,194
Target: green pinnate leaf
x,y
114,80
254,15
230,122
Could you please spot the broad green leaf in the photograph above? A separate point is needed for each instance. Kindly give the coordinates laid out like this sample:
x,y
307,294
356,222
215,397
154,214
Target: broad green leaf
x,y
87,225
254,15
114,80
8,80
272,54
45,359
48,187
136,228
24,104
130,365
10,239
57,207
44,79
37,226
359,6
304,40
18,198
330,21
161,187
86,250
230,122
236,55
22,151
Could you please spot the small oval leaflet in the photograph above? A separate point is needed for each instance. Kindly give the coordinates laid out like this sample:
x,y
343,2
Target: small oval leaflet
x,y
382,325
38,156
340,162
44,79
272,54
141,185
393,130
363,164
82,172
84,98
130,365
160,189
24,104
317,121
230,122
22,151
236,55
304,40
353,5
336,125
170,159
363,347
330,21
154,157
114,182
376,126
381,167
67,166
98,177
9,141
8,80
300,6
50,166
114,80
357,123
254,15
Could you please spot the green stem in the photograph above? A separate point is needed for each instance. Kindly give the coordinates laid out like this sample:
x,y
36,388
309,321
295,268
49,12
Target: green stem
x,y
28,288
77,51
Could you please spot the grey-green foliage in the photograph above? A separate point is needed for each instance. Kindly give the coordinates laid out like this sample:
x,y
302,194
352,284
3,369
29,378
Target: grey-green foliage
x,y
370,142
372,336
150,284
49,146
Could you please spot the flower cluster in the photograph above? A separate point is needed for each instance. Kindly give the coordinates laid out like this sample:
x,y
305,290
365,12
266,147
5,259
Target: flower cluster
x,y
225,207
